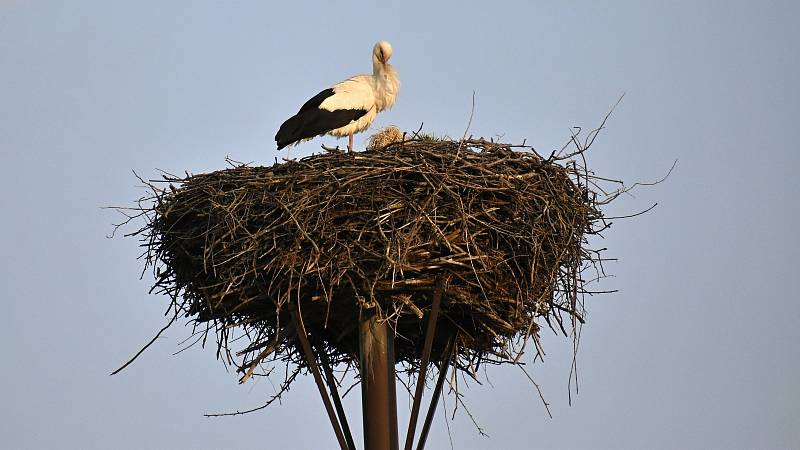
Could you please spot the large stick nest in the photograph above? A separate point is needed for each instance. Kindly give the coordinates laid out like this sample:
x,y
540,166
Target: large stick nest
x,y
343,235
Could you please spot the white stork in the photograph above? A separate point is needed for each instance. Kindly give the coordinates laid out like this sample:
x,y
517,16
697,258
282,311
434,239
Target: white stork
x,y
347,107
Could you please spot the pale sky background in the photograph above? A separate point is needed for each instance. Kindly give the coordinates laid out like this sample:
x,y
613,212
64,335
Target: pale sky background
x,y
698,350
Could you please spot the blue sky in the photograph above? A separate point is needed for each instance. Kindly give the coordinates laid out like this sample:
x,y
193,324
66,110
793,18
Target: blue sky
x,y
697,350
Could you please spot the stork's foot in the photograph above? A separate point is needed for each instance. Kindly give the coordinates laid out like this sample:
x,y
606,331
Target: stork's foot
x,y
350,143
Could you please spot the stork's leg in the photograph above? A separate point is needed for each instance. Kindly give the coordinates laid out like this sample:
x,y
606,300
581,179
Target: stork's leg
x,y
350,143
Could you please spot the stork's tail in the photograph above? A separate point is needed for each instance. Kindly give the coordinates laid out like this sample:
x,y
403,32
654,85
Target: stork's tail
x,y
289,132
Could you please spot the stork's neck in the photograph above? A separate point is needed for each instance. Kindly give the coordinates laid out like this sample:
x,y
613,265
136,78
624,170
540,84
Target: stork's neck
x,y
385,84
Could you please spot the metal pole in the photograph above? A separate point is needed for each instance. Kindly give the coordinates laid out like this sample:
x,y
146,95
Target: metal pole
x,y
423,365
312,364
337,401
378,396
437,392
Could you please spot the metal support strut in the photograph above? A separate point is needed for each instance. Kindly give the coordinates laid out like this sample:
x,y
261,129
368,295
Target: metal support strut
x,y
423,366
312,364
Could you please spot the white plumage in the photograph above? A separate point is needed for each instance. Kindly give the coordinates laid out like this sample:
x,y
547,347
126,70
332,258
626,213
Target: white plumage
x,y
348,107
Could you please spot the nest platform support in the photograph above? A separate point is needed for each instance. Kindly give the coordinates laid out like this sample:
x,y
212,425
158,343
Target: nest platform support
x,y
312,364
337,400
378,395
437,392
423,368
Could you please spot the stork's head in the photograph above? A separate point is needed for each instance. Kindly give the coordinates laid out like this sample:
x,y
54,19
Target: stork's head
x,y
381,52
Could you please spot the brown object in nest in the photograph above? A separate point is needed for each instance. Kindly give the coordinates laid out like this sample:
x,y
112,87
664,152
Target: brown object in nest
x,y
340,233
384,137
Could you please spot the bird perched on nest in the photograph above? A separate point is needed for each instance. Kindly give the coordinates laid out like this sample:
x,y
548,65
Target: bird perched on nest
x,y
346,108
